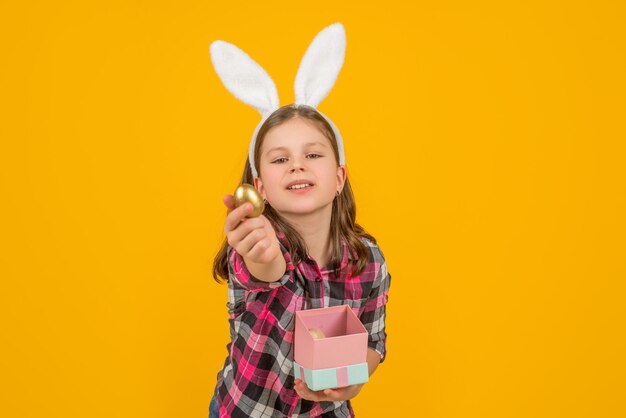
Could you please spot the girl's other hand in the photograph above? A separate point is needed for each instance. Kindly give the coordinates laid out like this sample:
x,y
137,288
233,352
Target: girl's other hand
x,y
253,238
338,394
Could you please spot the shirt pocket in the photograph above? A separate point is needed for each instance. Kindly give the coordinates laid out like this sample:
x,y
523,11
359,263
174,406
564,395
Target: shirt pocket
x,y
289,299
357,305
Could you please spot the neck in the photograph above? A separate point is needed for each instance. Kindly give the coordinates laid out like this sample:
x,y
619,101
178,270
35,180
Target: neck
x,y
315,230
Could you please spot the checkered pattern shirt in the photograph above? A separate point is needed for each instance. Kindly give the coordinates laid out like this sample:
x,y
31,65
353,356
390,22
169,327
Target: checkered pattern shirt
x,y
257,378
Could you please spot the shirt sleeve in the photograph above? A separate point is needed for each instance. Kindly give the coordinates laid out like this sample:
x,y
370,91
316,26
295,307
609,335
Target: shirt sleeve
x,y
374,311
238,272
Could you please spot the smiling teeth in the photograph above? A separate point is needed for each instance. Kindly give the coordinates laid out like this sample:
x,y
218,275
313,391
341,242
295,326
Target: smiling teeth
x,y
299,186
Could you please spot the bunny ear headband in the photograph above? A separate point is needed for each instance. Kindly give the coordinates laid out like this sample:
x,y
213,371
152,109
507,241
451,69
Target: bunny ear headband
x,y
251,84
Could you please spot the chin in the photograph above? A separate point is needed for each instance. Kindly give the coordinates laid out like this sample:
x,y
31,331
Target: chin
x,y
304,208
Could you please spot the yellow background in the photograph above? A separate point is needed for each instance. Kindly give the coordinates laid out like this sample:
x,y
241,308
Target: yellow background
x,y
485,142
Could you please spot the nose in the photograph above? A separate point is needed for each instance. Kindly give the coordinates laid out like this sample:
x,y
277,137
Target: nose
x,y
297,165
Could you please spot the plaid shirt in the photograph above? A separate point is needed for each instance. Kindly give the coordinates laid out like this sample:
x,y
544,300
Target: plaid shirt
x,y
257,378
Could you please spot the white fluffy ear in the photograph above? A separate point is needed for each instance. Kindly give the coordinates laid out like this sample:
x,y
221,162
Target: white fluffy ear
x,y
243,77
320,65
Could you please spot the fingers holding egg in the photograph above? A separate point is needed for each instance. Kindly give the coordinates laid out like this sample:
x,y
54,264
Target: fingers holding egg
x,y
250,231
253,239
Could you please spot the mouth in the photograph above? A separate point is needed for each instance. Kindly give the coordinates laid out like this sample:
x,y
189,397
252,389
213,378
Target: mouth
x,y
300,186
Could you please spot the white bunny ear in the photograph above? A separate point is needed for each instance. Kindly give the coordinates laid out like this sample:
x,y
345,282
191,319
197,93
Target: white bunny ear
x,y
243,77
320,65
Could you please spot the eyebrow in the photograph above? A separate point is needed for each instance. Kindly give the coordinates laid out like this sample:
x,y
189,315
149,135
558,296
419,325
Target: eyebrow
x,y
285,148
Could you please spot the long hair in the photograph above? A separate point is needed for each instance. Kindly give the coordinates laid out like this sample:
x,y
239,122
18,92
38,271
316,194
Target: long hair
x,y
342,222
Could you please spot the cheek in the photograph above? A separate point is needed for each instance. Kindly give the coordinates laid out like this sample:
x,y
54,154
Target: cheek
x,y
329,174
272,179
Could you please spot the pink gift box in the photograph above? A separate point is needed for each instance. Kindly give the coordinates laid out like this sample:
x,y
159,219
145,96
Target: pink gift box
x,y
344,347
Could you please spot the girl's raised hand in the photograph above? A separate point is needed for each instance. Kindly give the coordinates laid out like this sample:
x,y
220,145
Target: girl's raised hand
x,y
253,238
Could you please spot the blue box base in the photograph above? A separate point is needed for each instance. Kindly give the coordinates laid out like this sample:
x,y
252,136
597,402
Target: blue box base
x,y
319,379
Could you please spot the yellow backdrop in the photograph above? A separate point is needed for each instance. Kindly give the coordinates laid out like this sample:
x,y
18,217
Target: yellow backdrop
x,y
485,142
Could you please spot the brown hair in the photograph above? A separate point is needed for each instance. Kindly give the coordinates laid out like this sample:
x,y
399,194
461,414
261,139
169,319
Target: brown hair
x,y
342,222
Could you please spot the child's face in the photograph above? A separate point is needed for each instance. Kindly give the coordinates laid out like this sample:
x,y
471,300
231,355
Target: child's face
x,y
304,154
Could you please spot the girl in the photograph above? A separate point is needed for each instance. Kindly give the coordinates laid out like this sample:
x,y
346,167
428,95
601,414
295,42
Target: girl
x,y
305,251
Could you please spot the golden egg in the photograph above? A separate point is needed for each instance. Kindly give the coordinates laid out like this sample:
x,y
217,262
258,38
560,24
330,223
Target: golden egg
x,y
247,193
317,333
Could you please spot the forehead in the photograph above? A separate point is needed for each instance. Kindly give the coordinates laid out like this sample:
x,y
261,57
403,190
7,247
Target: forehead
x,y
294,134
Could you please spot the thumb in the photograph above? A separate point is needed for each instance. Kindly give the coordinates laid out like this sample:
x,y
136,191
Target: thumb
x,y
229,201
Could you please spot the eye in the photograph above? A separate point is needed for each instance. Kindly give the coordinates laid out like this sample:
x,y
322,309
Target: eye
x,y
315,155
278,159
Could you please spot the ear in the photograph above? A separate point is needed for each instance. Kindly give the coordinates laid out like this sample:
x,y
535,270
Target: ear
x,y
320,65
258,185
243,77
341,177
